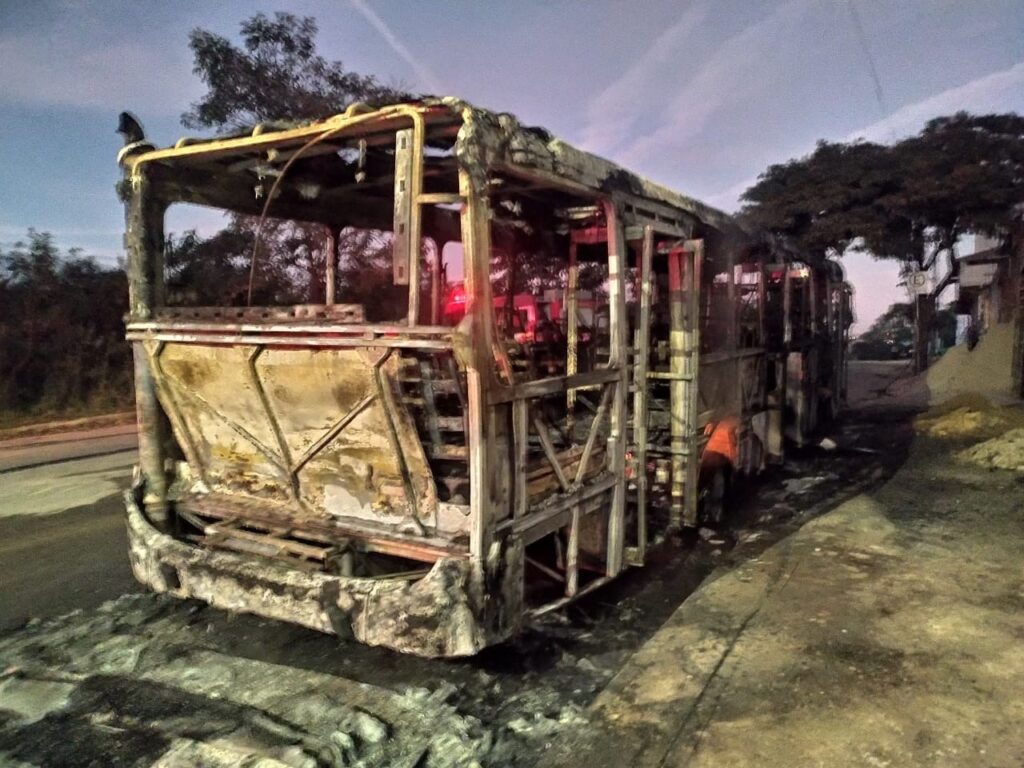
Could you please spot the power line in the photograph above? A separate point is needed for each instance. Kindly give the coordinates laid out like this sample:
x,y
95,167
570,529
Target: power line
x,y
872,69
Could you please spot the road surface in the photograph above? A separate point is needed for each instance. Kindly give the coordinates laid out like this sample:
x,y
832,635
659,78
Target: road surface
x,y
62,539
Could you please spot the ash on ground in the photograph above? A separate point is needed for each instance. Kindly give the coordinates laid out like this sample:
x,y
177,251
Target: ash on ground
x,y
147,680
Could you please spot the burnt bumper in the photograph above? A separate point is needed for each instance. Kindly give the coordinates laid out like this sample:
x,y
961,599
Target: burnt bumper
x,y
456,609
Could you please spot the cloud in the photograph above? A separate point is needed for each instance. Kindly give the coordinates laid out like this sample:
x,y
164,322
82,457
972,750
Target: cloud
x,y
70,66
995,92
737,70
999,91
423,72
614,111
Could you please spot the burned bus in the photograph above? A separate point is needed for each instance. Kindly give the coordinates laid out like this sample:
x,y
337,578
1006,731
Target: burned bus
x,y
423,476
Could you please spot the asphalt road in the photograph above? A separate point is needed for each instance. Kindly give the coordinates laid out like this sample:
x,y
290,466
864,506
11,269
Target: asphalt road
x,y
62,537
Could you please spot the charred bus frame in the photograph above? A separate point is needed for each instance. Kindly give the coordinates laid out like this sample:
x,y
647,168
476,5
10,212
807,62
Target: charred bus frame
x,y
560,480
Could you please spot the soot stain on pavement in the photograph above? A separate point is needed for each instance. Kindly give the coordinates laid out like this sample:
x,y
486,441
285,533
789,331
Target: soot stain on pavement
x,y
505,705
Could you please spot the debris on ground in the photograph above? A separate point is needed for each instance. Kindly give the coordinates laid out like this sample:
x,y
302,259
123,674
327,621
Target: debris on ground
x,y
1003,452
796,486
965,415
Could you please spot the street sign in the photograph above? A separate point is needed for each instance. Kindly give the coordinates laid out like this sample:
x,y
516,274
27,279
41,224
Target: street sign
x,y
917,283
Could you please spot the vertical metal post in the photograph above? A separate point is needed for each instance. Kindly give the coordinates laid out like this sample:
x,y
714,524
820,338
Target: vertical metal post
x,y
812,300
404,202
643,348
572,554
571,330
617,360
479,376
330,276
691,376
731,335
436,287
144,241
787,305
520,441
762,299
407,244
677,391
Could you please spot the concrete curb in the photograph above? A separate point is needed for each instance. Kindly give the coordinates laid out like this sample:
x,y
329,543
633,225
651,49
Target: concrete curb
x,y
68,425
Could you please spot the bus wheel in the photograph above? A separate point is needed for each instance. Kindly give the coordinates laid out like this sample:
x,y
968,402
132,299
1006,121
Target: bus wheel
x,y
713,498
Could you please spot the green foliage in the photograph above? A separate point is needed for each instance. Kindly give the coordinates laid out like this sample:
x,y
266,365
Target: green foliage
x,y
825,201
276,74
61,331
891,336
909,201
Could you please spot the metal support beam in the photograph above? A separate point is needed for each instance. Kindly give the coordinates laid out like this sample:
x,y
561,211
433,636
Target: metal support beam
x,y
617,356
144,242
640,392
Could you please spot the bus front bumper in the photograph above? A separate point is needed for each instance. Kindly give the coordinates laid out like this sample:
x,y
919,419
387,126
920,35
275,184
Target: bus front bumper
x,y
448,612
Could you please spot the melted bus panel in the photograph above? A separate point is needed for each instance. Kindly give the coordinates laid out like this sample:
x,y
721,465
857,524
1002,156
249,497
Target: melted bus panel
x,y
563,363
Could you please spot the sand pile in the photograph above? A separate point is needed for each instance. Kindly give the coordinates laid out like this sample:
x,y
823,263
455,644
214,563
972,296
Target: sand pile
x,y
1003,452
986,368
969,415
961,422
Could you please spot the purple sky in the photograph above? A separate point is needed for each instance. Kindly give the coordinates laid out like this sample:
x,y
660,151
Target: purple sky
x,y
701,96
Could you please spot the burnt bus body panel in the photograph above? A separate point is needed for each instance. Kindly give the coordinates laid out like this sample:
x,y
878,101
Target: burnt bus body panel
x,y
425,483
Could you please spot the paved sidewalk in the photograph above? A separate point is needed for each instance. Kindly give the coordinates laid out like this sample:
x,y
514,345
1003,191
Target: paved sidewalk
x,y
889,632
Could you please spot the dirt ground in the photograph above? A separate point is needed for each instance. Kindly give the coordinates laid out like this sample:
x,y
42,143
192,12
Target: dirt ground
x,y
886,632
862,610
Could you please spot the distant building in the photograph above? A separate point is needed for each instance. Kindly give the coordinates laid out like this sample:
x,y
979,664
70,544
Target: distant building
x,y
991,292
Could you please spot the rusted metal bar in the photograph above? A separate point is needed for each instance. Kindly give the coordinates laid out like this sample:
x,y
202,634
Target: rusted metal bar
x,y
367,331
288,341
571,330
172,408
549,451
545,569
677,365
595,429
479,375
572,555
617,359
402,246
530,390
557,605
144,240
436,286
330,273
291,477
332,433
370,538
552,515
691,387
787,304
640,387
521,439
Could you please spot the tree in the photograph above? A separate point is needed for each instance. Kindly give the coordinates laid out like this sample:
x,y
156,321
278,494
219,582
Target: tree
x,y
910,201
61,330
276,75
890,337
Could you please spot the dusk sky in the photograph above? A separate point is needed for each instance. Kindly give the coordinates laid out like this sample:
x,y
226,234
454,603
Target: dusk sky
x,y
700,96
